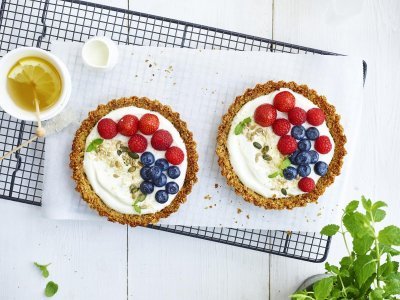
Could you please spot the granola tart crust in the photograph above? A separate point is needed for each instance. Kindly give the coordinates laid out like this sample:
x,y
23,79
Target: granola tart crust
x,y
83,185
333,124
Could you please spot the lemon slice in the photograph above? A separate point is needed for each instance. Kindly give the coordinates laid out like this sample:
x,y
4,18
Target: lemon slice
x,y
40,74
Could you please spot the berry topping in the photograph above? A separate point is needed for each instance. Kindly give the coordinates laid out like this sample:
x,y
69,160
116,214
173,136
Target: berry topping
x,y
161,197
107,128
314,156
144,173
304,171
306,184
147,158
284,101
137,143
290,173
304,145
174,155
161,140
281,127
315,116
287,145
298,132
265,115
148,124
321,168
128,125
173,172
297,116
312,133
146,187
162,163
323,144
155,173
303,158
292,157
172,188
160,181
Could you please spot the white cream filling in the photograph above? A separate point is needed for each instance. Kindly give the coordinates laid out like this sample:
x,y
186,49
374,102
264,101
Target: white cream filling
x,y
252,171
112,185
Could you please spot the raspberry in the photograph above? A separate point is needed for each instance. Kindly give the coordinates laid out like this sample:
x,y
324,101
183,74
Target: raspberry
x,y
148,124
281,127
306,184
174,155
128,125
265,115
297,116
323,144
287,145
315,116
284,101
107,128
161,140
137,143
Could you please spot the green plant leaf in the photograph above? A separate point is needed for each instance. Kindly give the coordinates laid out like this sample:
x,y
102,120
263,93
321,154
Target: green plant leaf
x,y
378,204
352,206
367,203
390,250
94,144
358,225
239,127
378,215
273,175
392,286
390,235
376,294
323,288
51,289
364,267
43,269
137,208
345,262
285,163
362,245
330,230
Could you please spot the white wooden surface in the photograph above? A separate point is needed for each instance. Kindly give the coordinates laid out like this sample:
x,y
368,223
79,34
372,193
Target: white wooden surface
x,y
99,260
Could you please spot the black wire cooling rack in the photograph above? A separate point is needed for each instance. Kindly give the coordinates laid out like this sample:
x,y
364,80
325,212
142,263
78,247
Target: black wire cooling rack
x,y
37,23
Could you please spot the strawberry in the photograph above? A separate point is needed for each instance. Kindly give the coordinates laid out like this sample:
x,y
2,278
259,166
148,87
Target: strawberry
x,y
284,101
137,143
128,125
107,128
315,116
287,145
265,115
161,140
306,184
174,155
148,124
281,127
323,144
297,116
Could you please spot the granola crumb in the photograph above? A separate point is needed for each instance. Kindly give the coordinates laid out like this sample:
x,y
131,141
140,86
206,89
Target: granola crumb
x,y
216,185
248,216
210,206
207,197
239,210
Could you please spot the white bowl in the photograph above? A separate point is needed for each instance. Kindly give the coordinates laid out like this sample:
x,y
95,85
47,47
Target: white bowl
x,y
7,104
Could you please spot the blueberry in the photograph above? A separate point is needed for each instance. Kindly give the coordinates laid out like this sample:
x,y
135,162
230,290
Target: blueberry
x,y
146,187
172,188
304,145
303,158
155,172
312,133
160,181
314,156
162,163
304,170
290,173
144,173
173,172
147,158
298,132
321,168
292,157
161,197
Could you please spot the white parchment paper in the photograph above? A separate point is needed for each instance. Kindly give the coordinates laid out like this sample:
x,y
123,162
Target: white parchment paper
x,y
200,85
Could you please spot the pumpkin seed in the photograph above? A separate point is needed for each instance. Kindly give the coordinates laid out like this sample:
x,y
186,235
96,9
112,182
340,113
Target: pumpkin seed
x,y
133,155
284,192
115,175
131,169
141,198
124,148
119,152
265,149
257,145
267,157
117,164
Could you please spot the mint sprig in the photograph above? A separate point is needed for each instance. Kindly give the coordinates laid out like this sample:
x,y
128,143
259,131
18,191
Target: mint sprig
x,y
282,166
94,144
239,127
43,269
136,205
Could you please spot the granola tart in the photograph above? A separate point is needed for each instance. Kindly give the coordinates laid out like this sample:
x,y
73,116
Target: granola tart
x,y
280,145
134,161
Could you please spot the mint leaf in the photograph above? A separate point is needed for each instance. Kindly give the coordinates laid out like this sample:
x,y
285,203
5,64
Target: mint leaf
x,y
378,215
352,206
376,294
239,127
94,144
323,288
389,250
285,163
43,269
330,230
137,208
362,245
367,204
358,225
390,235
273,175
51,289
364,267
378,204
